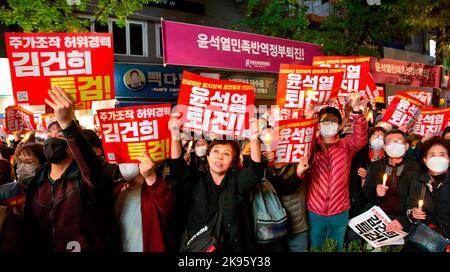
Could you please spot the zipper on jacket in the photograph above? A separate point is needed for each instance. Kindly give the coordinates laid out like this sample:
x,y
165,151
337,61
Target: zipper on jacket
x,y
328,185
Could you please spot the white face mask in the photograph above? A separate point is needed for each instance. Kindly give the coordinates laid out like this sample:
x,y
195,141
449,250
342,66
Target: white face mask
x,y
395,150
200,151
25,170
329,130
376,144
437,164
129,170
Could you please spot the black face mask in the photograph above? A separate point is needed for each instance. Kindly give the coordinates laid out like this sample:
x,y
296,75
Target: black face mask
x,y
55,149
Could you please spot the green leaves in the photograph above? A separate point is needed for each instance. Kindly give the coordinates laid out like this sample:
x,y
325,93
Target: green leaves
x,y
58,16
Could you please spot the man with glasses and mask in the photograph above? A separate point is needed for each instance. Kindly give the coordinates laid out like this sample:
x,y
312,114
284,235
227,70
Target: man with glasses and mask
x,y
63,210
328,200
401,172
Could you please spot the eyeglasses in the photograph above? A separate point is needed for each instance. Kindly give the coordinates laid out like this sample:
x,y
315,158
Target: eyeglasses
x,y
327,121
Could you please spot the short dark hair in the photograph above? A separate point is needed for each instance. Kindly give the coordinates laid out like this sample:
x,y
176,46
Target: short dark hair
x,y
446,130
436,140
134,71
396,131
33,149
54,123
331,110
234,146
375,129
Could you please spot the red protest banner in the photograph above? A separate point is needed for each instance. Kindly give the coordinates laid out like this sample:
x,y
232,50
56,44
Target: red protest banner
x,y
431,121
217,107
404,109
81,63
44,121
380,97
299,85
18,119
294,138
130,131
425,97
356,76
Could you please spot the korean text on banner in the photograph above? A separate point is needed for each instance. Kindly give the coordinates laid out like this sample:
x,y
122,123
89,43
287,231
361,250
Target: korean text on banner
x,y
371,226
425,97
431,121
299,85
18,119
45,120
130,131
80,63
356,76
216,107
294,139
234,50
404,110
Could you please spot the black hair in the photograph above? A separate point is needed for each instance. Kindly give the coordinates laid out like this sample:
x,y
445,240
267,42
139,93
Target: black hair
x,y
331,110
396,131
54,123
234,145
375,129
446,130
436,140
134,71
33,149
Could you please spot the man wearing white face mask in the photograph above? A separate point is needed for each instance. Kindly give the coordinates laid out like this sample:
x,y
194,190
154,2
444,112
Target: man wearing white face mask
x,y
144,208
433,188
328,199
400,172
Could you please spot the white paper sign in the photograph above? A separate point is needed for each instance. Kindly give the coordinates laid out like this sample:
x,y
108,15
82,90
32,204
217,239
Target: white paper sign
x,y
371,226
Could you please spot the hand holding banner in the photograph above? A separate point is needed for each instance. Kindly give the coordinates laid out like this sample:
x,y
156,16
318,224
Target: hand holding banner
x,y
217,107
431,121
299,85
128,132
294,139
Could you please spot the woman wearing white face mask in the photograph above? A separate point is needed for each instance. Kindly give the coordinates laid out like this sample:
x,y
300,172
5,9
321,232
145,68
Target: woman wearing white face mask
x,y
400,173
433,188
144,208
376,143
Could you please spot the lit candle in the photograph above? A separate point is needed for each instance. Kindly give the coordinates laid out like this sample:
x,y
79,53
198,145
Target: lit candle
x,y
384,179
420,204
190,146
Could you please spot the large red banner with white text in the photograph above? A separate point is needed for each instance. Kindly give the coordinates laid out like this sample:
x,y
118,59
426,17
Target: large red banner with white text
x,y
129,132
80,63
404,110
215,107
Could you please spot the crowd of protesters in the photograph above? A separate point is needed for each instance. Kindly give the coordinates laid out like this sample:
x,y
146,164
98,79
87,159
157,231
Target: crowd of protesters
x,y
62,195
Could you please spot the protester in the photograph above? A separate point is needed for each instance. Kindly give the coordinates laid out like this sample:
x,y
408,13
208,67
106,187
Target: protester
x,y
328,198
288,183
446,133
144,209
433,188
61,210
400,172
218,185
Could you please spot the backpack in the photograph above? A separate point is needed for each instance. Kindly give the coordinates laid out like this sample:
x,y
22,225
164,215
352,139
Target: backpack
x,y
270,218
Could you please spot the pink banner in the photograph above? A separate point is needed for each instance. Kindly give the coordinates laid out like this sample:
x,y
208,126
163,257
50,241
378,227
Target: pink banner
x,y
201,46
398,72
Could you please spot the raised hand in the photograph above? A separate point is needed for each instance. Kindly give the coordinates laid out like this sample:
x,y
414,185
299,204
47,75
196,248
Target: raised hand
x,y
62,105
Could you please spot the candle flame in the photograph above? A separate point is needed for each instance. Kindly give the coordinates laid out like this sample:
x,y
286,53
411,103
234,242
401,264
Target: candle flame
x,y
420,204
384,179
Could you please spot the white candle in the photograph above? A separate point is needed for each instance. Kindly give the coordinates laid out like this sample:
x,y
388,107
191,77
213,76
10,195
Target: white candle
x,y
384,179
420,204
